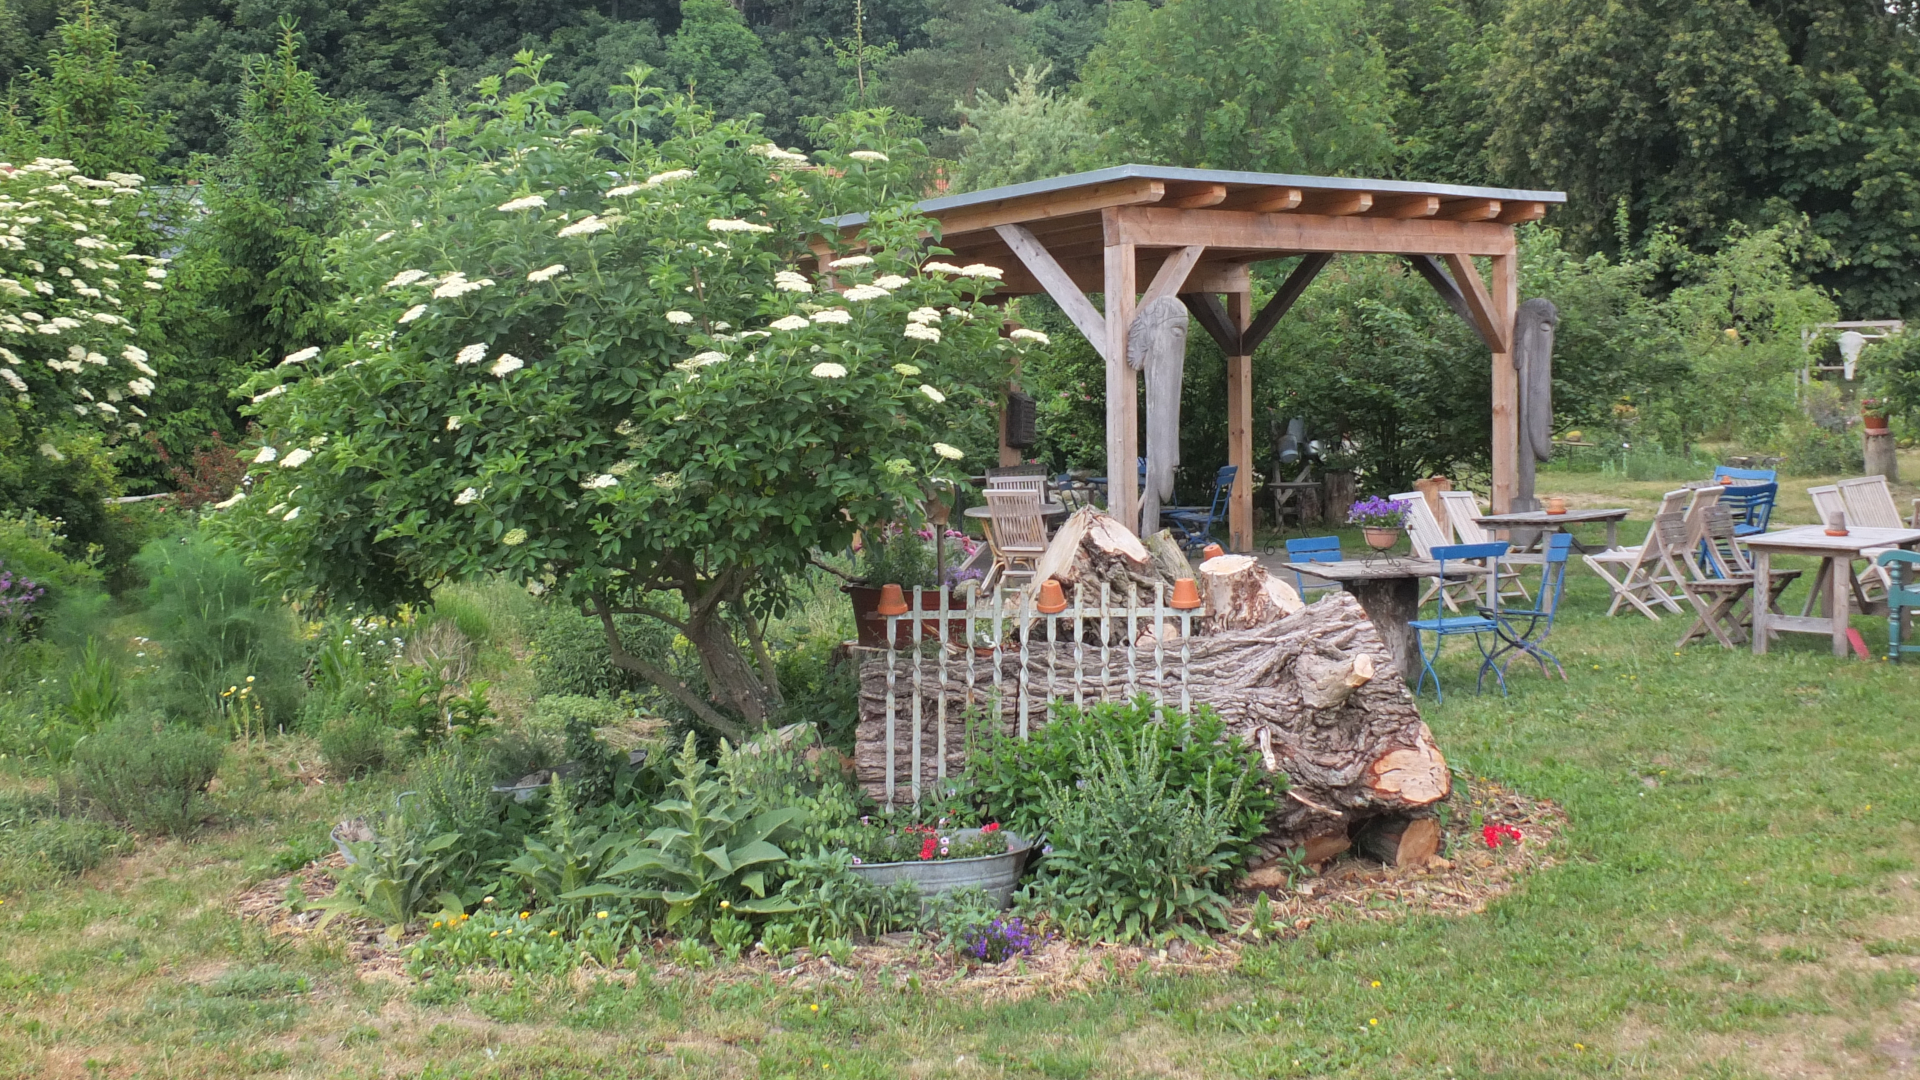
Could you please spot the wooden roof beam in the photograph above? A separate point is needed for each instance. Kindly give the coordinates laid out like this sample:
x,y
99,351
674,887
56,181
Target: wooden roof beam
x,y
1021,210
1470,210
1213,317
1514,213
1243,232
1263,200
1405,206
1058,285
1479,302
1194,196
1337,203
1449,290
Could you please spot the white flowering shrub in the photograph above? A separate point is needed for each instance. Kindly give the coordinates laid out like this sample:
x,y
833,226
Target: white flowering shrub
x,y
68,295
615,368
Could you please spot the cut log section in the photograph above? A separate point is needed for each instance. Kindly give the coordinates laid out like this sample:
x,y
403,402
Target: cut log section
x,y
1401,842
1366,756
1240,594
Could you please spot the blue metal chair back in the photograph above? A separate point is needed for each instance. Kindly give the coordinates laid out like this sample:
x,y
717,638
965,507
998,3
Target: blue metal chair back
x,y
1767,476
1222,491
1492,552
1553,578
1751,505
1313,549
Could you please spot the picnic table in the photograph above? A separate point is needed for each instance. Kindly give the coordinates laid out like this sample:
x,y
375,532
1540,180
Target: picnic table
x,y
1558,522
1388,590
1835,588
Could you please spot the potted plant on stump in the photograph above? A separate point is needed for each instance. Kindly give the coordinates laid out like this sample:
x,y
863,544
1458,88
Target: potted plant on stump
x,y
1381,520
906,557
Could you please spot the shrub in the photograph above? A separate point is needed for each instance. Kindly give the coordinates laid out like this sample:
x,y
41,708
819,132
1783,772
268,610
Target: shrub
x,y
147,776
355,744
394,876
570,655
55,848
1009,778
216,625
1133,854
1819,451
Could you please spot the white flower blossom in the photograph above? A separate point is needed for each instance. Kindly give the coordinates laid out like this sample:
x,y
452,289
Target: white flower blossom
x,y
941,268
273,393
506,365
623,191
291,514
266,454
412,313
586,226
890,281
700,360
933,395
472,354
456,284
105,318
770,151
922,332
959,313
868,155
51,452
296,457
453,423
788,281
13,379
829,370
865,292
1024,334
96,359
467,496
679,318
547,273
726,225
524,202
907,370
790,322
156,273
141,387
106,408
668,177
604,480
951,453
837,316
981,270
923,315
230,501
850,261
514,537
383,237
302,356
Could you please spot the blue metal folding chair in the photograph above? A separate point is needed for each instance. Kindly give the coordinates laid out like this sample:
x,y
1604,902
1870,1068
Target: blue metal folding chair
x,y
1531,638
1193,525
1761,476
1750,504
1313,549
1442,625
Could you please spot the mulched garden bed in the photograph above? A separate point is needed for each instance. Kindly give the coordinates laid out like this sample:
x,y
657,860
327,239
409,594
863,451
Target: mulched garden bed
x,y
1462,881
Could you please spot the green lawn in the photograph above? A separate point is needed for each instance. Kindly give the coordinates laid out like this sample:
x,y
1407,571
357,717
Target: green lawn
x,y
1733,896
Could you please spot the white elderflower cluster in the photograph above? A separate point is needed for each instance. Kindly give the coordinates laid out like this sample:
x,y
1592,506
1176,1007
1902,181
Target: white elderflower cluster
x,y
586,226
525,202
735,225
922,332
789,281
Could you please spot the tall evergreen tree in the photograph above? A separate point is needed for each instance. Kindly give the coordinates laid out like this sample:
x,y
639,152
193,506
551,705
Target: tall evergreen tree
x,y
87,106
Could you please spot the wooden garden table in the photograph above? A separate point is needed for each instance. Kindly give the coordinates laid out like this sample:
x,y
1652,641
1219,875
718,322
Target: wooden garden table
x,y
1558,522
1388,589
1834,586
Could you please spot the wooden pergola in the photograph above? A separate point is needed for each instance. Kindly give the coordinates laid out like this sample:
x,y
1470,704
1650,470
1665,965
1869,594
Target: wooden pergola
x,y
1135,233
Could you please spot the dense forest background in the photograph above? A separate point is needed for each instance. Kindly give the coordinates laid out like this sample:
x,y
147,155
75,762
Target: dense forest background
x,y
1734,170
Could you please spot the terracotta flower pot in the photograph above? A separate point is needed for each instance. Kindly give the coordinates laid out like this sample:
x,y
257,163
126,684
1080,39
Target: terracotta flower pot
x,y
1380,539
870,624
1556,505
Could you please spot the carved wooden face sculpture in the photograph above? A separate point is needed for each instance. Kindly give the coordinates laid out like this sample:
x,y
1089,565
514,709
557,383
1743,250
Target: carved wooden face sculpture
x,y
1533,328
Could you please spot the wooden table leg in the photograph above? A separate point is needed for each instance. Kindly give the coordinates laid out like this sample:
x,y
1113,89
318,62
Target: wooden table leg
x,y
1840,599
1613,535
1392,603
1762,588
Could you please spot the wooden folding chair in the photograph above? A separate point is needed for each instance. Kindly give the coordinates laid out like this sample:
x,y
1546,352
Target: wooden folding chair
x,y
1715,597
1426,533
1719,539
1018,536
1462,507
1644,579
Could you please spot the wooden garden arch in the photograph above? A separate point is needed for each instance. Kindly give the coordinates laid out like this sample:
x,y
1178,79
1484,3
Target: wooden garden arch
x,y
1135,233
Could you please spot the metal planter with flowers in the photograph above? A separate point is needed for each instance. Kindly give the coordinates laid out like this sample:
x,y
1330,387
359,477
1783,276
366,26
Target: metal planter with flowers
x,y
943,866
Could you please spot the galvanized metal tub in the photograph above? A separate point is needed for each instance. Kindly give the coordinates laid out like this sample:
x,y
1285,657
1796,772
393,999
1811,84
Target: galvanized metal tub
x,y
996,875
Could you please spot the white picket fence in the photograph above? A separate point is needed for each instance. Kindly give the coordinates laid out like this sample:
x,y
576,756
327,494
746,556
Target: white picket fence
x,y
1108,645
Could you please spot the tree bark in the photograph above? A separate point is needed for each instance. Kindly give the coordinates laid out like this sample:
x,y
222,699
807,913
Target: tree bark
x,y
1401,842
1240,594
1366,755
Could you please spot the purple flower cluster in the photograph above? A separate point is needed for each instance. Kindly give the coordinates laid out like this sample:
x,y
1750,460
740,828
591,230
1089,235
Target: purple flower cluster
x,y
1375,512
998,940
17,594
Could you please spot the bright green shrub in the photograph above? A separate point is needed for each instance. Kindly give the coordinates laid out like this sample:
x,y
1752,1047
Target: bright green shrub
x,y
1134,854
216,624
147,776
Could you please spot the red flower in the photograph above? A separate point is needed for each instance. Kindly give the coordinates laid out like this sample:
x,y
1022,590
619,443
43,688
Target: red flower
x,y
1495,834
991,826
932,845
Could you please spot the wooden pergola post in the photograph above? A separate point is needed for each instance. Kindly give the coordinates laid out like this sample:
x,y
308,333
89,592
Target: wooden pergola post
x,y
1193,233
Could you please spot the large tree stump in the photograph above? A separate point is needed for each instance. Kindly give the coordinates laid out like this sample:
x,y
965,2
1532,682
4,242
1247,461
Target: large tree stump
x,y
1353,748
1240,593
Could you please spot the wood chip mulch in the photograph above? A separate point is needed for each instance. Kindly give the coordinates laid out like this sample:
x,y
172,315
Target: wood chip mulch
x,y
1463,880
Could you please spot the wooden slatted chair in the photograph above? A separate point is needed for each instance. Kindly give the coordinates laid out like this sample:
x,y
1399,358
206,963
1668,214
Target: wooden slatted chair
x,y
1719,542
1461,508
1426,533
1643,579
1715,597
1018,536
1832,499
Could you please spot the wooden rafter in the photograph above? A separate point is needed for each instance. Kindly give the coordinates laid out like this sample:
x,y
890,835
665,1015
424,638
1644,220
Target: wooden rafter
x,y
1281,235
1172,275
1406,206
1290,291
1443,283
1470,210
1263,200
1337,203
1018,210
1479,302
1194,196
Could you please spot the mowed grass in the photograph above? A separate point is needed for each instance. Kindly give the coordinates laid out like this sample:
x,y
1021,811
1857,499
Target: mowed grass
x,y
1734,896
